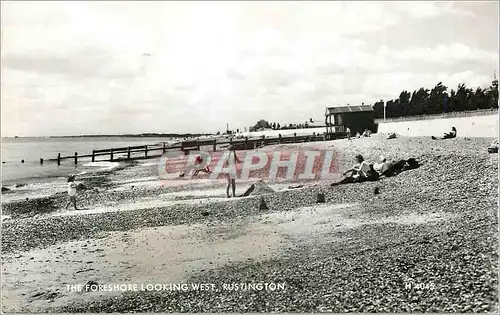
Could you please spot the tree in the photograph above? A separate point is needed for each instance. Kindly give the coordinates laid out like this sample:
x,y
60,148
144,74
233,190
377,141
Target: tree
x,y
492,96
419,101
436,100
278,126
378,109
404,103
462,98
274,126
261,124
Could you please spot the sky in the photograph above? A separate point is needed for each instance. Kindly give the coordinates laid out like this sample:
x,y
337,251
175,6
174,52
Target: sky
x,y
72,68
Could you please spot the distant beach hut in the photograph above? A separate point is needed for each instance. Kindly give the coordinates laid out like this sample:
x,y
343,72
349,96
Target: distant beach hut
x,y
356,118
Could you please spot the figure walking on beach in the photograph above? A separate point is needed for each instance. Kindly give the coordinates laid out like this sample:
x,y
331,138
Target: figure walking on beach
x,y
231,175
71,192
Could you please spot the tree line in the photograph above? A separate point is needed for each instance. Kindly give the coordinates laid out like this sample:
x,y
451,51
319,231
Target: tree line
x,y
438,101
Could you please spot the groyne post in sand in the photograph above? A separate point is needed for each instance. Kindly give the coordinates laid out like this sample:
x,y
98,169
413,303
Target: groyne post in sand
x,y
164,148
146,151
246,143
279,138
111,155
76,158
93,155
197,145
294,137
214,144
41,160
128,153
58,158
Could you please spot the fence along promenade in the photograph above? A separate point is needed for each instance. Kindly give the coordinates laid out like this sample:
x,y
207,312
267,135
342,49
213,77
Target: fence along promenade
x,y
158,149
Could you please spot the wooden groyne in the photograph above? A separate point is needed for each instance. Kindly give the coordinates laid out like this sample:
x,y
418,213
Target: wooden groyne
x,y
157,150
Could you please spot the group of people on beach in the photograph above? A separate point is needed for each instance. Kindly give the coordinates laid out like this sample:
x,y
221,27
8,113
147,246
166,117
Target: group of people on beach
x,y
230,163
364,171
360,172
366,133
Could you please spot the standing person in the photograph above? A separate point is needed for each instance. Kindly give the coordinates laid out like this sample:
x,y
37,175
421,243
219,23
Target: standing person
x,y
71,191
348,132
231,175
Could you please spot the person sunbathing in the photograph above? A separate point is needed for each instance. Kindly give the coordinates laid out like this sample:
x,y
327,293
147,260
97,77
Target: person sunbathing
x,y
383,167
360,172
448,135
493,148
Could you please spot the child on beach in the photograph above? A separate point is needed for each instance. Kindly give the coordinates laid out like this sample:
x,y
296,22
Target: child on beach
x,y
205,169
71,191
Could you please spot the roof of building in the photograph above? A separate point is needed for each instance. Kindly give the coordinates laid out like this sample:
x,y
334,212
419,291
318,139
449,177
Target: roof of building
x,y
347,109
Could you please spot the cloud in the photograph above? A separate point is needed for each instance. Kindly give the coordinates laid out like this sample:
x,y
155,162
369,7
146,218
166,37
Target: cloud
x,y
430,9
445,54
212,63
85,63
418,9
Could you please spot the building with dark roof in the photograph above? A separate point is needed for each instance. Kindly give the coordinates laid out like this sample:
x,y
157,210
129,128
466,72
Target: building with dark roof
x,y
356,118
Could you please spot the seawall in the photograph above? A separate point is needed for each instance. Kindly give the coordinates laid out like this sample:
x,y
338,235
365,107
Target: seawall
x,y
473,126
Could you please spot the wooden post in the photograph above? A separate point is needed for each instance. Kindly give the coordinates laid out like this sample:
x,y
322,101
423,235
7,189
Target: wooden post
x,y
76,158
230,141
111,153
145,151
294,137
128,153
93,155
279,138
246,143
164,149
41,160
214,144
197,144
58,158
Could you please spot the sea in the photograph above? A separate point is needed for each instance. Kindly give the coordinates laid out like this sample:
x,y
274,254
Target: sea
x,y
31,149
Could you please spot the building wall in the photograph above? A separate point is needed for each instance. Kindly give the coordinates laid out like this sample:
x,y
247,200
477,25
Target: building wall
x,y
476,126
